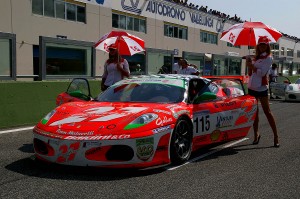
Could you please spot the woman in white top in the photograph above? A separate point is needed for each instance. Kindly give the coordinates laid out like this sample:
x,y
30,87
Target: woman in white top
x,y
257,86
115,68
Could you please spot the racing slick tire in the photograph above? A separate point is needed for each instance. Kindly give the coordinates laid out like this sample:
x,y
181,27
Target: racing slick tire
x,y
181,142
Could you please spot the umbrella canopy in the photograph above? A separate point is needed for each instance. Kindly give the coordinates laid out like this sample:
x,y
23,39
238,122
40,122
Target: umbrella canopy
x,y
126,43
248,33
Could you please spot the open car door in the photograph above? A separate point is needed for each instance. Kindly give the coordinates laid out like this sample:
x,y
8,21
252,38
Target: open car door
x,y
78,90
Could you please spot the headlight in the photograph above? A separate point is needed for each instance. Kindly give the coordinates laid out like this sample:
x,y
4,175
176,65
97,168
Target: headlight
x,y
48,116
142,120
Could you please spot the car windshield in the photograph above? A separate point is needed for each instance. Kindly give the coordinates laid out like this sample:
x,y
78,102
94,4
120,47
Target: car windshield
x,y
298,81
143,92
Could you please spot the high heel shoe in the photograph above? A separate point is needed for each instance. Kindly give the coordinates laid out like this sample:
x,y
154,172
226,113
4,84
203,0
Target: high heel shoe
x,y
276,143
257,141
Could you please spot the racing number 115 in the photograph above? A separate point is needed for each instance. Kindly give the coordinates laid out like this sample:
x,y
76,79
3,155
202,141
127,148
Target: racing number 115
x,y
204,122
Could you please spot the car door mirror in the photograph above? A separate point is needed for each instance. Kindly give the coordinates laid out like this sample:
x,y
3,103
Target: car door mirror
x,y
205,97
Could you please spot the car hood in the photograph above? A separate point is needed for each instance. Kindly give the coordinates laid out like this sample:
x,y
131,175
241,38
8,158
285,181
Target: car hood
x,y
105,118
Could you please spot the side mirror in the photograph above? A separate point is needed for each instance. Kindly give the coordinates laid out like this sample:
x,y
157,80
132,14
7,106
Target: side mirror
x,y
80,95
204,97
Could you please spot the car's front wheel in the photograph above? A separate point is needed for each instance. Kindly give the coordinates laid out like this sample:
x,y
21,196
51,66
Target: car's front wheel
x,y
181,142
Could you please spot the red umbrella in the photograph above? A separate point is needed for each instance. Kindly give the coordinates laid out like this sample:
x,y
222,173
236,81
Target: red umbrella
x,y
126,43
248,33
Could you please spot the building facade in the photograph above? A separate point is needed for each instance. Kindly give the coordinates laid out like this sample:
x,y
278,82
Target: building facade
x,y
54,39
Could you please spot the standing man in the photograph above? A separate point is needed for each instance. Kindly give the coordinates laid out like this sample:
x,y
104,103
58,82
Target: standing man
x,y
273,78
187,69
177,66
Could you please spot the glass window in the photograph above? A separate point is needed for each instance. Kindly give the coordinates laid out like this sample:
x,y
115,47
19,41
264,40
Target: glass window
x,y
129,23
49,8
68,60
208,37
5,57
290,52
81,14
282,50
115,20
60,9
71,12
298,53
37,7
175,31
136,24
184,34
122,22
142,25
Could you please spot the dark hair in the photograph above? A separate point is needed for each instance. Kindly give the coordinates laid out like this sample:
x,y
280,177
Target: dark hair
x,y
274,65
258,53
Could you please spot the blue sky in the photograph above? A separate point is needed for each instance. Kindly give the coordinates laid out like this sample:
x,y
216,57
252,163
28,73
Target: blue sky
x,y
281,15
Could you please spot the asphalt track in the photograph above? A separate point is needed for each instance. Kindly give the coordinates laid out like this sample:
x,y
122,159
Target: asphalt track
x,y
232,170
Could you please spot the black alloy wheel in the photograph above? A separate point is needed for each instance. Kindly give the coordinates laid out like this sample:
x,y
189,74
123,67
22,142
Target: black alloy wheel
x,y
181,142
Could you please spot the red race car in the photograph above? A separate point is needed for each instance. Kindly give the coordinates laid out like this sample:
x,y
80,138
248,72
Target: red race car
x,y
143,122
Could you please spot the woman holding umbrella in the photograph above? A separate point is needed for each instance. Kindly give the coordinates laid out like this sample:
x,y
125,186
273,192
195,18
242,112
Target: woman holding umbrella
x,y
257,86
115,68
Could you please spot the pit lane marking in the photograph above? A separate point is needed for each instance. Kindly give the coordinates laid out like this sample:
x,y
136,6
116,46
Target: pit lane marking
x,y
209,153
16,130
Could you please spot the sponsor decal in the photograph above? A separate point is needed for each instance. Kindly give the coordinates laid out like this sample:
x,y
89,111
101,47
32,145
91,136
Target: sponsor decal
x,y
112,126
177,114
132,7
162,111
144,148
224,121
41,132
59,131
248,109
214,136
162,121
162,129
91,144
99,137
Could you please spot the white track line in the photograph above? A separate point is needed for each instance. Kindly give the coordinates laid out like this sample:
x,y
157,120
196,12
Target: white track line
x,y
16,130
209,153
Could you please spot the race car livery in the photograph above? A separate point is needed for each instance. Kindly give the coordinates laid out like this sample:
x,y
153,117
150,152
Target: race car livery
x,y
143,122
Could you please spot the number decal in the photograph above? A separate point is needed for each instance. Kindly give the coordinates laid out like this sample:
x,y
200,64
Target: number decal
x,y
202,124
68,153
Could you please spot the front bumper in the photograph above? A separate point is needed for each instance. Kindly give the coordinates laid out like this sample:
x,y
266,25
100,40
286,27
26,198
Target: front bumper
x,y
292,96
124,153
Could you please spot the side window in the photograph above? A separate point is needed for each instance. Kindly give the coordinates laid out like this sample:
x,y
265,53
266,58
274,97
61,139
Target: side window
x,y
195,87
229,88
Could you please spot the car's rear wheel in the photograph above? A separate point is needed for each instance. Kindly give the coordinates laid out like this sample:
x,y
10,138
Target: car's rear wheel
x,y
181,142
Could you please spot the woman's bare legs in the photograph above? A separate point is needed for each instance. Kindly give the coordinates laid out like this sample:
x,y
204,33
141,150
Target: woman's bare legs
x,y
266,108
255,126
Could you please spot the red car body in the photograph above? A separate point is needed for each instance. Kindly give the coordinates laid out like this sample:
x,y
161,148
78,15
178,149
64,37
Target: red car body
x,y
131,130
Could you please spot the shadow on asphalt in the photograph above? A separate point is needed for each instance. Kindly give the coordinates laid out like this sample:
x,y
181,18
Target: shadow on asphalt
x,y
31,167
